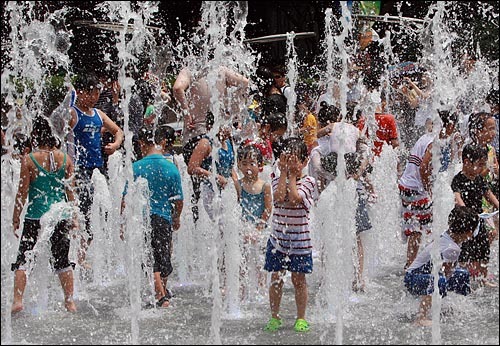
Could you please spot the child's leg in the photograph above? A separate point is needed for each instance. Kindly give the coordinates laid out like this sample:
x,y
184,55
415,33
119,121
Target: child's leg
x,y
413,245
66,279
425,306
359,281
19,287
160,291
300,285
276,292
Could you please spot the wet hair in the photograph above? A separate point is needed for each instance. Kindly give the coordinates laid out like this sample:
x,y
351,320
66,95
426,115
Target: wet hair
x,y
273,103
295,146
169,134
249,151
493,98
150,136
476,124
473,152
448,117
41,133
86,82
264,79
276,121
21,143
328,114
279,69
462,219
353,115
209,120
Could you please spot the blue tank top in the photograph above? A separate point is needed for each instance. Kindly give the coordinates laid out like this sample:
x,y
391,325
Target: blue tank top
x,y
252,205
226,160
87,133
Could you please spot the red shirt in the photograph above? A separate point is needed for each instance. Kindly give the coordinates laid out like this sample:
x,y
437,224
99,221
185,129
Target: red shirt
x,y
264,147
386,131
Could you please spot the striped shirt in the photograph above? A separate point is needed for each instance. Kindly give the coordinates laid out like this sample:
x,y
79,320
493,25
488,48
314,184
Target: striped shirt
x,y
290,224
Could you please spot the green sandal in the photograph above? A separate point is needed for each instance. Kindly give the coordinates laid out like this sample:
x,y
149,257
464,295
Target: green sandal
x,y
273,325
301,326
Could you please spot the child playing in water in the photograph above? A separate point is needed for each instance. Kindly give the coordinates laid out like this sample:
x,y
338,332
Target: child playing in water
x,y
255,198
166,203
419,279
289,247
469,187
46,178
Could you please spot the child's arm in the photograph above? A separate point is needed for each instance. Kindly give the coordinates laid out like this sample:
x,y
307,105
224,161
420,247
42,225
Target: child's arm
x,y
426,170
491,198
200,152
237,187
295,170
458,199
279,194
179,90
22,194
268,204
176,213
111,126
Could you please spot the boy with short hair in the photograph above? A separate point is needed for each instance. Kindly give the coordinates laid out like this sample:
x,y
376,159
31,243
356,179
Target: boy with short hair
x,y
289,246
419,280
87,124
469,187
166,203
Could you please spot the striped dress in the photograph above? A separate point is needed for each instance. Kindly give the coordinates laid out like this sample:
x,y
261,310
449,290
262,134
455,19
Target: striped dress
x,y
291,233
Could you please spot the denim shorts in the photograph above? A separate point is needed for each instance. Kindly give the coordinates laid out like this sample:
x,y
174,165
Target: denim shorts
x,y
421,284
277,261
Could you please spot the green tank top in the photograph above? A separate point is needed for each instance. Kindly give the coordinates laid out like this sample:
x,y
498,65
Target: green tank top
x,y
47,189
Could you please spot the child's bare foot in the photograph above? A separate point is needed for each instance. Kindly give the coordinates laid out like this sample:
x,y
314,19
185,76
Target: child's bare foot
x,y
70,305
16,307
423,322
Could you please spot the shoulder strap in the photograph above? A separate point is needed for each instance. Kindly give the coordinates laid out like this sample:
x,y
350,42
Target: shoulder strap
x,y
39,166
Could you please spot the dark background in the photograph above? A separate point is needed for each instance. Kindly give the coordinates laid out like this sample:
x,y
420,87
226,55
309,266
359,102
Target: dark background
x,y
266,18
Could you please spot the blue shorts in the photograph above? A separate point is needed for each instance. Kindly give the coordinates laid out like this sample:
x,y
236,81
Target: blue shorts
x,y
421,284
277,261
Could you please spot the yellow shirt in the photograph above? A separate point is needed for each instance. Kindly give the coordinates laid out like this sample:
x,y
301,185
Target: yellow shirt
x,y
311,129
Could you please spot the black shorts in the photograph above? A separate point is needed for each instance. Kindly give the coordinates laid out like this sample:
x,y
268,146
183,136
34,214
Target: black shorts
x,y
161,242
85,191
477,249
59,244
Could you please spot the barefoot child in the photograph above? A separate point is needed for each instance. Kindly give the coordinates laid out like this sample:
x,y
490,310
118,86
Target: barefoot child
x,y
255,198
46,178
419,280
289,247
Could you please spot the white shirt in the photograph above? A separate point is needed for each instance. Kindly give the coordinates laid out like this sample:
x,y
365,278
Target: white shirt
x,y
448,249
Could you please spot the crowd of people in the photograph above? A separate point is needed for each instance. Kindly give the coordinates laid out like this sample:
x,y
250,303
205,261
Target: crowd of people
x,y
305,157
